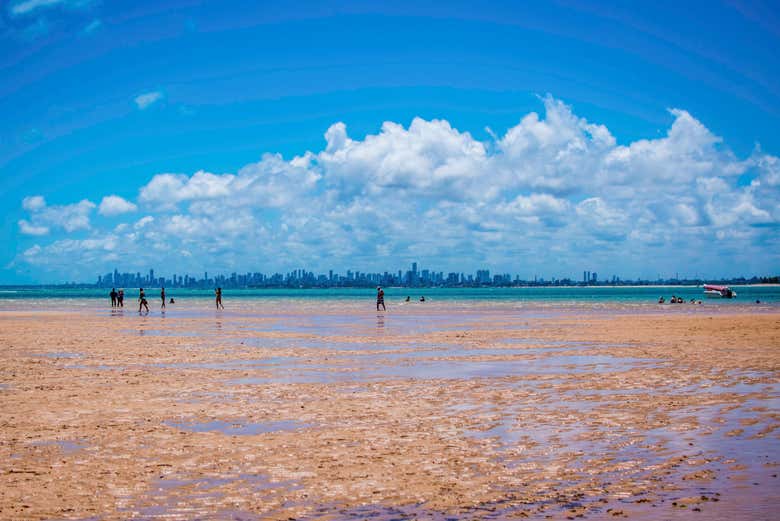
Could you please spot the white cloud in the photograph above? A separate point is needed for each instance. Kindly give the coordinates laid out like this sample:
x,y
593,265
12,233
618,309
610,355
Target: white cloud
x,y
553,190
536,209
271,182
26,7
169,189
32,251
143,221
28,228
33,203
603,220
70,217
147,99
113,205
429,159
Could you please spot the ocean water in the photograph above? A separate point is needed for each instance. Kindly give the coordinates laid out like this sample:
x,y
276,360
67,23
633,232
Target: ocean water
x,y
43,297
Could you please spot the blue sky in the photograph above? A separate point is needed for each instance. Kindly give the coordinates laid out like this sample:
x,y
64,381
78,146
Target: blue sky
x,y
539,138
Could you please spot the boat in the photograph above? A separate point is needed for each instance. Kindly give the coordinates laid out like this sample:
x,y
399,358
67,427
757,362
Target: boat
x,y
711,290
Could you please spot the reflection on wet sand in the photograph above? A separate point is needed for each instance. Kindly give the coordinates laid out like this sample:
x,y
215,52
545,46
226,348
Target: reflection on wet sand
x,y
491,413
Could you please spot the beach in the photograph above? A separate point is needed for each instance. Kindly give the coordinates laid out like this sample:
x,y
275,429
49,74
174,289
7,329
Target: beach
x,y
326,409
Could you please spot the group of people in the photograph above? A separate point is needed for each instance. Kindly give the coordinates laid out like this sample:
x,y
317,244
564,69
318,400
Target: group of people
x,y
678,300
118,299
380,299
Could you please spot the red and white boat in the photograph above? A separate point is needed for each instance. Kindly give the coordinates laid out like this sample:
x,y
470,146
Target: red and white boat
x,y
711,290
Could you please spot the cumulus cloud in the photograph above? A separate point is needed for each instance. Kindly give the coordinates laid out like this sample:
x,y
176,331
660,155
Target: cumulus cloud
x,y
33,203
553,190
147,99
69,217
113,205
28,228
143,221
536,209
602,220
430,159
271,182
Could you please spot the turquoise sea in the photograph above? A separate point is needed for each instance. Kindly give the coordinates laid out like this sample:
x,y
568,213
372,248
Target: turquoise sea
x,y
20,297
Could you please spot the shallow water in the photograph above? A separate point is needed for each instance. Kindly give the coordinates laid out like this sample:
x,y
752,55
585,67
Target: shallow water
x,y
66,446
238,427
534,302
59,354
411,368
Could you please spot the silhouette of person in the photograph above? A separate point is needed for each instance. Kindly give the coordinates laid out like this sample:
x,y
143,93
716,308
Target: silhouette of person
x,y
113,295
142,300
218,293
162,297
380,299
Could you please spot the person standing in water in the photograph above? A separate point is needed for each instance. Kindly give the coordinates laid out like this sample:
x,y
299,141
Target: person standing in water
x,y
120,298
142,300
380,299
218,293
113,295
162,298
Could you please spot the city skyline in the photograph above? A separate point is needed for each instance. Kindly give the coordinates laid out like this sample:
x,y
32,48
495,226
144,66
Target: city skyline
x,y
628,140
413,277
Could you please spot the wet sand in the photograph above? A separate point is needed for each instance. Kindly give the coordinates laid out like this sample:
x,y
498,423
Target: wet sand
x,y
475,412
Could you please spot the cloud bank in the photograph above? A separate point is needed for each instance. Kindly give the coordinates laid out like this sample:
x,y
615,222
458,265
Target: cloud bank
x,y
554,195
